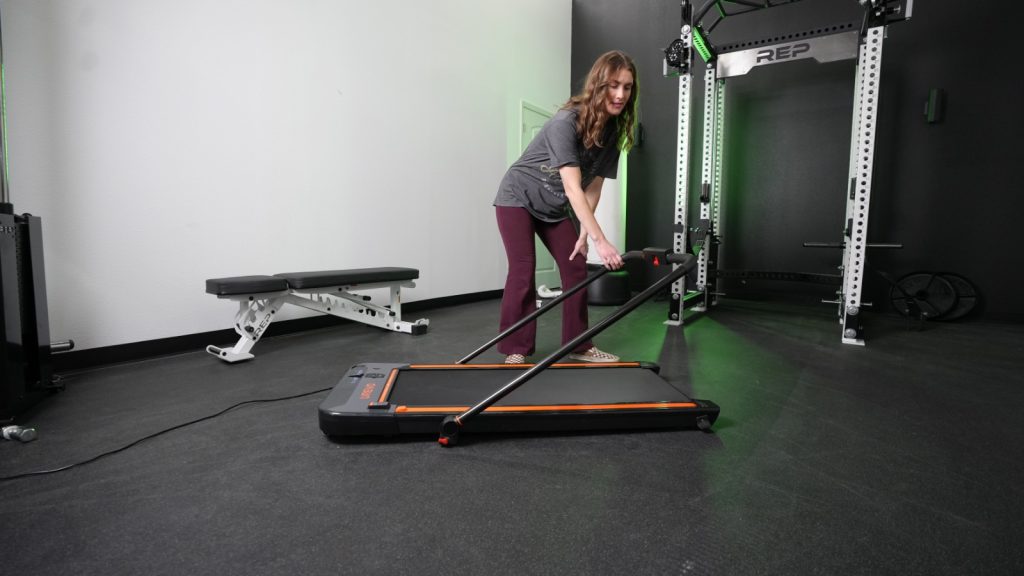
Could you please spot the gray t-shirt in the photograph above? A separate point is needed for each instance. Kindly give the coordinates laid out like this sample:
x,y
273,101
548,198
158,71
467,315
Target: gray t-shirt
x,y
533,181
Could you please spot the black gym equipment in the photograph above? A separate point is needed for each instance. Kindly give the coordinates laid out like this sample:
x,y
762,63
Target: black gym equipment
x,y
25,372
611,290
25,367
923,294
390,399
966,296
933,295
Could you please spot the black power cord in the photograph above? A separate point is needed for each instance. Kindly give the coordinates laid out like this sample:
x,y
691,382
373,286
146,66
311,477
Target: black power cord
x,y
155,434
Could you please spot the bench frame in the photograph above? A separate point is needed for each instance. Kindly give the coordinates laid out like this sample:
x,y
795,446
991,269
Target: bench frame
x,y
257,310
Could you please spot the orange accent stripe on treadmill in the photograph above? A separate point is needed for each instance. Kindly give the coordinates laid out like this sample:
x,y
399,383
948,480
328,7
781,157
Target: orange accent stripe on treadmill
x,y
560,365
544,408
387,385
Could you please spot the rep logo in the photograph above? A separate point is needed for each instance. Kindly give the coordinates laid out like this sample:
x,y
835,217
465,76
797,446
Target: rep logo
x,y
367,391
787,52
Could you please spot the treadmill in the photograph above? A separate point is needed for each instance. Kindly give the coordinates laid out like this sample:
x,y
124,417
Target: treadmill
x,y
390,399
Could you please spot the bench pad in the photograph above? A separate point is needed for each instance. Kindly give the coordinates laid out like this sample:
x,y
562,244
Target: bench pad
x,y
308,280
245,285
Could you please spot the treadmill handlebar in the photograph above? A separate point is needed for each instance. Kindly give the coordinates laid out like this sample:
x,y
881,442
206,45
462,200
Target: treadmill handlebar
x,y
656,256
452,424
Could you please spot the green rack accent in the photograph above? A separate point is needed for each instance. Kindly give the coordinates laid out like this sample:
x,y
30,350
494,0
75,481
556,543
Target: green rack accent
x,y
700,45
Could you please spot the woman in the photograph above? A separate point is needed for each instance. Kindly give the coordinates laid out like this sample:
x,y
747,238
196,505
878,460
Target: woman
x,y
564,166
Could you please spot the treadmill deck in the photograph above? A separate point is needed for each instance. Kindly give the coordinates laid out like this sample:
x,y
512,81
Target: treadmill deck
x,y
391,399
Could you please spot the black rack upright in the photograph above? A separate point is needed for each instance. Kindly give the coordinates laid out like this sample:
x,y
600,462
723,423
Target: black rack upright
x,y
25,371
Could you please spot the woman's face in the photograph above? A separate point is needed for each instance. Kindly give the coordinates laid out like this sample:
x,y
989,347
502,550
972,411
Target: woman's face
x,y
620,87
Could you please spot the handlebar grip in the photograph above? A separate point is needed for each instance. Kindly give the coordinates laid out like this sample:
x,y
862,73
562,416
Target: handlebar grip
x,y
669,257
683,259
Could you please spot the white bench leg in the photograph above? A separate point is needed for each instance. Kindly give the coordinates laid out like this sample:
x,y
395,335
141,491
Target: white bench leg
x,y
251,321
417,327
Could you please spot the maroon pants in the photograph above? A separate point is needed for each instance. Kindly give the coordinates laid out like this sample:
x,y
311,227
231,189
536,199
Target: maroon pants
x,y
517,229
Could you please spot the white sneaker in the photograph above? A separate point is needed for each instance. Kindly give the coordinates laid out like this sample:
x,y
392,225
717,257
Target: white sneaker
x,y
594,355
515,359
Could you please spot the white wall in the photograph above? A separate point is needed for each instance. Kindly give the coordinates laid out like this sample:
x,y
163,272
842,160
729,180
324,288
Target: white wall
x,y
164,142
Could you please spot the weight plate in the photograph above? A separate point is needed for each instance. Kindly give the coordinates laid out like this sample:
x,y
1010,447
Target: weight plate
x,y
966,296
925,294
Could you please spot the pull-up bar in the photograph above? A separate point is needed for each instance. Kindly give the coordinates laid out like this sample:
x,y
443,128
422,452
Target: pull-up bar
x,y
700,25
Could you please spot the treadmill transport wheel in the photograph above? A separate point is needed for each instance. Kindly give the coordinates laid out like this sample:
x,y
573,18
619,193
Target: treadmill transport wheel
x,y
923,294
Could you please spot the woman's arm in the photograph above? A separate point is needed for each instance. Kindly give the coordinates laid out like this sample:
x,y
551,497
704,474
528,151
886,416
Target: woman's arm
x,y
583,204
593,194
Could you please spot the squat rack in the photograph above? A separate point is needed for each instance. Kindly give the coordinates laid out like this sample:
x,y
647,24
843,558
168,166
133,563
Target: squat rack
x,y
824,44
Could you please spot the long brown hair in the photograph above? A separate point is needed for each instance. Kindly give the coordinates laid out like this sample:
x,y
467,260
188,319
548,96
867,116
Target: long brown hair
x,y
590,103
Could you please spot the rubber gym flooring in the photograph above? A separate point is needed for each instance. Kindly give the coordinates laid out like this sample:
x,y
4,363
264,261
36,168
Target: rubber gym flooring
x,y
901,457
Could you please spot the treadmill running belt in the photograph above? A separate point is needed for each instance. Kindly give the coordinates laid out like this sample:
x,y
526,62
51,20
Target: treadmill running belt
x,y
561,386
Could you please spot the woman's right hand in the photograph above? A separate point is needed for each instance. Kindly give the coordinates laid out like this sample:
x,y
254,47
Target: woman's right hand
x,y
609,255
